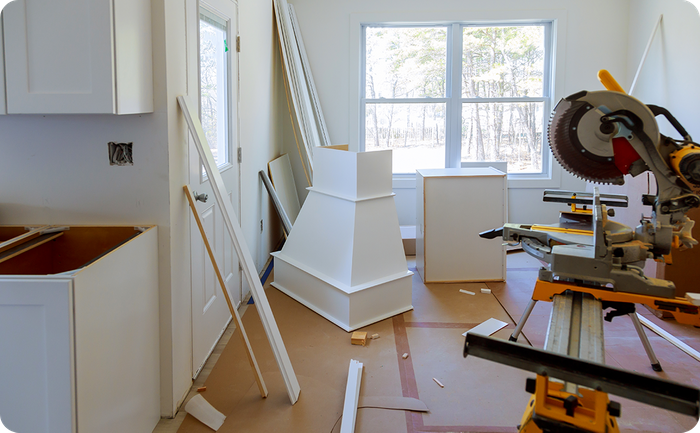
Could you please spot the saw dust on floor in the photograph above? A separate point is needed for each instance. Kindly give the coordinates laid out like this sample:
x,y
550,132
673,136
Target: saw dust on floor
x,y
478,396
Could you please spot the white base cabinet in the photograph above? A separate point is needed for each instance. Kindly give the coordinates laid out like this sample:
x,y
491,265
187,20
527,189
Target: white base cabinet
x,y
79,350
453,206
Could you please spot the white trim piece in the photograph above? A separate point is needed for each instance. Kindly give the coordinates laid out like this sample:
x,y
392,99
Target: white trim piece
x,y
318,113
298,90
646,52
246,260
352,396
203,411
467,292
487,328
668,337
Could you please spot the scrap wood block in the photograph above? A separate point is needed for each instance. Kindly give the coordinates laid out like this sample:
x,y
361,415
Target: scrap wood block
x,y
359,338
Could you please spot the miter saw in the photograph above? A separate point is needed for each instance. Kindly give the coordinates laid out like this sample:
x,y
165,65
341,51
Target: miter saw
x,y
601,136
593,263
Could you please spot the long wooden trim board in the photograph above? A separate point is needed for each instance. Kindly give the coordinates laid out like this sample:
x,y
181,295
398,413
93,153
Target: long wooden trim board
x,y
234,312
246,260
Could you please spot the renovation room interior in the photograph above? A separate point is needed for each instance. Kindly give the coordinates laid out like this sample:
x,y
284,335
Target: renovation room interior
x,y
146,353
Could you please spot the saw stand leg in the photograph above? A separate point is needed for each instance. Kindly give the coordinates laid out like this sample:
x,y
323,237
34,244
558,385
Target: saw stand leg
x,y
655,364
523,319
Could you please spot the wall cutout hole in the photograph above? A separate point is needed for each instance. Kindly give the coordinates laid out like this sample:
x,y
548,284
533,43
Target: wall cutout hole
x,y
120,153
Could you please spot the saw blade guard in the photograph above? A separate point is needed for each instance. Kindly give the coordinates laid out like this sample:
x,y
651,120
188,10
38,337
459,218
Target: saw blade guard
x,y
586,141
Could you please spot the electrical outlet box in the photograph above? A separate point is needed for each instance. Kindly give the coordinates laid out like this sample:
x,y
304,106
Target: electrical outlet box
x,y
121,153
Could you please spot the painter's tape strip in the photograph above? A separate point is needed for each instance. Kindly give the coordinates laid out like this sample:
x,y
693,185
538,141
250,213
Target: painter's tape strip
x,y
487,328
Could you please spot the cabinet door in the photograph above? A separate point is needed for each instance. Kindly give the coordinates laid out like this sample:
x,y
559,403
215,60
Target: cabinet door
x,y
36,373
58,56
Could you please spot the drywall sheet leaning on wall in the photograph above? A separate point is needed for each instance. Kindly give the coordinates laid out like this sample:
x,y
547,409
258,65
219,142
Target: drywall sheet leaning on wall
x,y
345,259
283,181
246,260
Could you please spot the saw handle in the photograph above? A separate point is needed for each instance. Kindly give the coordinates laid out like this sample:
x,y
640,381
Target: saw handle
x,y
609,82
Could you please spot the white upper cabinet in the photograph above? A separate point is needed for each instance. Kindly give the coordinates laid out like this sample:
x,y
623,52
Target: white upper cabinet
x,y
78,56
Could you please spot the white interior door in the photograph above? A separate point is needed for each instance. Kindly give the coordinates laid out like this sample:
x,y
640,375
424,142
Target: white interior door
x,y
218,102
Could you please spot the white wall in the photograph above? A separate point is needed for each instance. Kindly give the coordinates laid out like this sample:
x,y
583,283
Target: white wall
x,y
54,169
325,26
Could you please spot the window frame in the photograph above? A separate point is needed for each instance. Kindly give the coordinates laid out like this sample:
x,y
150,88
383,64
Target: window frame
x,y
212,14
556,21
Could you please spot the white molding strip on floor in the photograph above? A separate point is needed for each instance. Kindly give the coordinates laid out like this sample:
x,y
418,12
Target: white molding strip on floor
x,y
668,337
246,260
352,396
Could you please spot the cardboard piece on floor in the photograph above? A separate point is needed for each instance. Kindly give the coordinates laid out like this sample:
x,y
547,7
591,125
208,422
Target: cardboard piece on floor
x,y
352,397
283,181
668,337
246,260
244,337
487,328
201,409
286,223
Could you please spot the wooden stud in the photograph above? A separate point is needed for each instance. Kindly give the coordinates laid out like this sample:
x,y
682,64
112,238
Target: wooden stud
x,y
234,312
202,389
246,260
352,396
359,338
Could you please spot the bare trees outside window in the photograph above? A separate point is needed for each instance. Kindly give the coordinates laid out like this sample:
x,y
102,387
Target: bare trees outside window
x,y
502,94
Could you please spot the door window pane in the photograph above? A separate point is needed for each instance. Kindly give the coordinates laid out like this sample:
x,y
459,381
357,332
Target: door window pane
x,y
415,133
499,131
214,84
405,62
503,62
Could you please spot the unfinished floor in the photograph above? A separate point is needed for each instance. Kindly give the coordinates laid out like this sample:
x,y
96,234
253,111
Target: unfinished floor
x,y
479,396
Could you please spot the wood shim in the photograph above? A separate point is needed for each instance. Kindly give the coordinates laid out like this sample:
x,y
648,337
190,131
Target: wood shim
x,y
298,89
487,328
352,396
668,337
246,260
239,323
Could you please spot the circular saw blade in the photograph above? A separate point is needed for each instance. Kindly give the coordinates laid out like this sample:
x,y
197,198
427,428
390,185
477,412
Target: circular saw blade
x,y
564,141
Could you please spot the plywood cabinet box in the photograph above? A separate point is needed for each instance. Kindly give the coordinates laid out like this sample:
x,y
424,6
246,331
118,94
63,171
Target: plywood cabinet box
x,y
453,206
79,348
78,56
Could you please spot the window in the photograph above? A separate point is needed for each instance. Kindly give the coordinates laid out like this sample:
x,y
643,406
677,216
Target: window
x,y
214,91
447,95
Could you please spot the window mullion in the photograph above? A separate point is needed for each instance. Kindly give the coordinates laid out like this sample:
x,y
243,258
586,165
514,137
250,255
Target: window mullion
x,y
453,146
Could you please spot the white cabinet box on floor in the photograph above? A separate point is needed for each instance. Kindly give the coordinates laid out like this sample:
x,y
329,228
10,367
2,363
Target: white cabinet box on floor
x,y
453,206
79,349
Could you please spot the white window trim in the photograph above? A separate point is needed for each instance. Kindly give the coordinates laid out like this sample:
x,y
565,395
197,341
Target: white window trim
x,y
557,17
